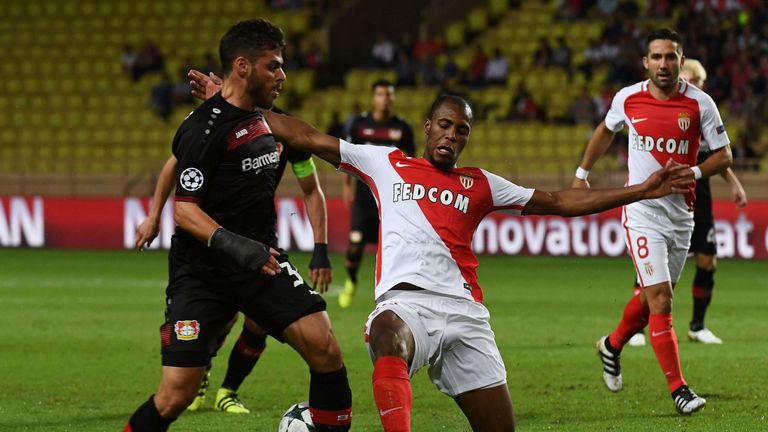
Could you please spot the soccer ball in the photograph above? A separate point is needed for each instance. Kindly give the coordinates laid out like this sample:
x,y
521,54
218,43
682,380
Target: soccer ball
x,y
297,419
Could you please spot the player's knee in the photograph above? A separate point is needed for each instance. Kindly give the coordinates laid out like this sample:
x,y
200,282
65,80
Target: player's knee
x,y
706,262
170,402
390,337
325,354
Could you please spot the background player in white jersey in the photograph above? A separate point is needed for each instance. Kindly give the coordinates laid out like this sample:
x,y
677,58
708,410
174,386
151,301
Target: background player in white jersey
x,y
703,242
667,118
429,304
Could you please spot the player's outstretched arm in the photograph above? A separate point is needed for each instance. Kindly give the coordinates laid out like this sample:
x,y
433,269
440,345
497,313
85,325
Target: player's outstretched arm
x,y
320,273
673,178
596,147
148,230
303,136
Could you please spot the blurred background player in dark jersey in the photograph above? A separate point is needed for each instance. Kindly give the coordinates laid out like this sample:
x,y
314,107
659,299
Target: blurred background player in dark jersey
x,y
703,241
381,126
252,340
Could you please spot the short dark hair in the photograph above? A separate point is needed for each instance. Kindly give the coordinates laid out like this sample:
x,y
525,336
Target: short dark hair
x,y
249,38
664,34
450,98
381,83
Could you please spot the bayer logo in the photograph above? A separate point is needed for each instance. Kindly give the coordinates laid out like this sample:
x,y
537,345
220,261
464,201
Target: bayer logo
x,y
191,179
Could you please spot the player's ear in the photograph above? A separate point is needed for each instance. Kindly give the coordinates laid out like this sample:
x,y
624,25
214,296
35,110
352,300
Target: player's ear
x,y
427,126
241,66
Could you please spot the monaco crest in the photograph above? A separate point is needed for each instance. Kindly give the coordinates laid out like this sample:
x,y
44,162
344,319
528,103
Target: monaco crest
x,y
466,181
684,121
187,330
648,268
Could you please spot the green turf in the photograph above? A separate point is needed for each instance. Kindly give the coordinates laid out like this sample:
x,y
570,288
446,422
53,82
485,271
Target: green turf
x,y
79,348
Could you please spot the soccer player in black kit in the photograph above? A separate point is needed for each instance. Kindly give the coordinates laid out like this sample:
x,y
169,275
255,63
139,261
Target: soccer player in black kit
x,y
221,258
379,127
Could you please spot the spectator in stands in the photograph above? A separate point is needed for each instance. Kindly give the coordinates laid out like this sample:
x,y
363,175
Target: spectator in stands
x,y
149,59
451,73
210,64
128,59
182,90
426,46
161,97
292,57
562,56
405,75
593,56
382,52
523,107
314,57
497,69
542,57
583,109
430,75
476,72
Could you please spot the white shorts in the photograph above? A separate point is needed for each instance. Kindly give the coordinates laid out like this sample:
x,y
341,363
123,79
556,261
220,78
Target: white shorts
x,y
658,245
453,335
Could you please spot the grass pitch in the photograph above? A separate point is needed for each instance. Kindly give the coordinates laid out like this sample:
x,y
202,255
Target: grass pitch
x,y
79,348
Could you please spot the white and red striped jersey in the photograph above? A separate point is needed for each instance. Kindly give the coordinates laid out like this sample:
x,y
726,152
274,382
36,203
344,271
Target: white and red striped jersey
x,y
428,217
660,130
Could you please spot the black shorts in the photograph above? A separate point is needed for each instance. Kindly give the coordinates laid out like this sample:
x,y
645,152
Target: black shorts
x,y
364,223
703,236
201,299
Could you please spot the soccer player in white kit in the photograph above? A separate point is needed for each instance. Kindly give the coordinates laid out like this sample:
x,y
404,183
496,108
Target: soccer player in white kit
x,y
667,118
429,307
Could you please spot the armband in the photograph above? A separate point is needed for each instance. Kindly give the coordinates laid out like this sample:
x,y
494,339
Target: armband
x,y
303,168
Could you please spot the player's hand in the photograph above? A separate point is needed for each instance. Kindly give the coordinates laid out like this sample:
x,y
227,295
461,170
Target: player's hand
x,y
272,267
739,195
320,273
578,183
672,179
146,233
204,86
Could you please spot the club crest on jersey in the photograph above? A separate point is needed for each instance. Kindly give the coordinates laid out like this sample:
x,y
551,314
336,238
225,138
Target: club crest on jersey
x,y
466,181
684,121
187,330
395,134
648,268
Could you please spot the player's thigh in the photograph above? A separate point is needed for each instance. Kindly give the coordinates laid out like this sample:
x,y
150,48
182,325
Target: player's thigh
x,y
312,338
196,314
469,357
275,302
488,409
678,244
423,327
648,248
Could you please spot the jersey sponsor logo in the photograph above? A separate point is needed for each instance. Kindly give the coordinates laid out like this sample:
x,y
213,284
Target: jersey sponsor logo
x,y
466,181
638,120
720,129
661,144
191,179
187,330
684,121
395,134
417,192
241,133
258,163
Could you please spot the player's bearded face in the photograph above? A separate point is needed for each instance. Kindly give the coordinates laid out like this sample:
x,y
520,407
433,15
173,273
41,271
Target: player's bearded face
x,y
265,81
663,63
447,135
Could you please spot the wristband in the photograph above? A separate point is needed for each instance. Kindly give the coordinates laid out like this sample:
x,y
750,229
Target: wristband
x,y
320,257
696,172
581,173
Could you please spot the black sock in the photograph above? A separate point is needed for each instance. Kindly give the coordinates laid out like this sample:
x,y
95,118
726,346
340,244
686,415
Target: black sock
x,y
354,258
147,419
703,284
243,358
330,401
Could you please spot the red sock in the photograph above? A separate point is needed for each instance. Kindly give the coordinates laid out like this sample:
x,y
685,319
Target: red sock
x,y
635,319
392,391
664,342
